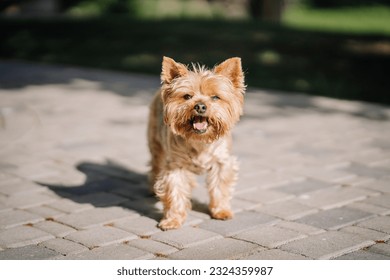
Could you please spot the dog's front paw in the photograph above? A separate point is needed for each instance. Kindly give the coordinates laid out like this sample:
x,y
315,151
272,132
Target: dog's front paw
x,y
224,214
167,224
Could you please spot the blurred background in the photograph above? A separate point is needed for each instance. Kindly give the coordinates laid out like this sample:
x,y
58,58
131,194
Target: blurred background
x,y
336,48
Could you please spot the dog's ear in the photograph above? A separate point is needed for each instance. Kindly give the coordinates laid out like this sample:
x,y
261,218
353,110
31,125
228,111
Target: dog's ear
x,y
171,70
231,68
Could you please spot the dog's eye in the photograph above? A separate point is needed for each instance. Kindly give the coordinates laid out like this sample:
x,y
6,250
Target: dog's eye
x,y
187,97
215,97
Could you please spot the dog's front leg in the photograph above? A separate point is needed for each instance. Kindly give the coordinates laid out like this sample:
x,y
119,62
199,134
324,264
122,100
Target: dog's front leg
x,y
220,180
173,187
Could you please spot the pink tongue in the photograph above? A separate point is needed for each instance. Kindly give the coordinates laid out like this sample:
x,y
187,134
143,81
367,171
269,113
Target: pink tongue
x,y
200,125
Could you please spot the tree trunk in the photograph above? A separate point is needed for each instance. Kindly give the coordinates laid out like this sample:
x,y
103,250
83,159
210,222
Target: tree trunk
x,y
269,10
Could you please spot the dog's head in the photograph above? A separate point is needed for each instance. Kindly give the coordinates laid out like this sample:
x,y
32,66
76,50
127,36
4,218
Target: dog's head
x,y
202,104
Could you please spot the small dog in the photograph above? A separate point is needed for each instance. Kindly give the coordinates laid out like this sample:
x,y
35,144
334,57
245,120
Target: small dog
x,y
189,133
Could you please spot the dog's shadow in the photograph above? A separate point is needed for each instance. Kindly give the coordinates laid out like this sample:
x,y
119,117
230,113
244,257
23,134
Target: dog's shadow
x,y
111,184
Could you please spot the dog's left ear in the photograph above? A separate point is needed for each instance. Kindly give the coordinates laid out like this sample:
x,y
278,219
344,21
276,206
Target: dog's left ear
x,y
231,68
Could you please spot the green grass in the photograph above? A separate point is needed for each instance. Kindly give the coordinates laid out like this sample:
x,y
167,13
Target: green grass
x,y
358,20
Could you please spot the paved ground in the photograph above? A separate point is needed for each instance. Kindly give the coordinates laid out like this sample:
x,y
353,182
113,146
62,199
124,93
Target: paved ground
x,y
314,179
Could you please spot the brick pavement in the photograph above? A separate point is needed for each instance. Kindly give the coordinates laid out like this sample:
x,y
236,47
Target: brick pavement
x,y
314,178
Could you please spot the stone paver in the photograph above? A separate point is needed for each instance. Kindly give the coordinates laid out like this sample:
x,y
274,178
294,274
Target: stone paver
x,y
18,186
327,245
379,224
363,255
298,227
31,252
94,217
275,254
366,171
305,186
56,229
22,236
69,206
101,199
378,185
287,210
264,196
63,246
333,197
3,207
46,212
313,182
157,248
214,250
141,226
381,249
367,233
335,218
329,175
23,201
112,252
370,208
269,236
100,236
243,221
9,219
381,201
186,237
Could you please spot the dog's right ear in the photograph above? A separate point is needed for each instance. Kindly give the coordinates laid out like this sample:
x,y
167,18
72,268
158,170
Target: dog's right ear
x,y
171,70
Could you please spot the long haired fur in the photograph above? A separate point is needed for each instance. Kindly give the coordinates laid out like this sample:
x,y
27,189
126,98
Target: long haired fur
x,y
189,133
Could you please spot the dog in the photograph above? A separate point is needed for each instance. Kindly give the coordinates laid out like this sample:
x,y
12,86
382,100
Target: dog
x,y
189,133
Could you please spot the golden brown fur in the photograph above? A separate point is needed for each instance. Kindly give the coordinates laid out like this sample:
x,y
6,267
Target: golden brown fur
x,y
189,133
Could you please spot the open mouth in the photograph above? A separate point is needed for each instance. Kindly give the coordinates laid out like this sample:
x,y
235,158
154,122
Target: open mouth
x,y
199,124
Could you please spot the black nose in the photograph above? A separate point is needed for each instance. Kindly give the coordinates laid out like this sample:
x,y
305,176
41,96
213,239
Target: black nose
x,y
200,108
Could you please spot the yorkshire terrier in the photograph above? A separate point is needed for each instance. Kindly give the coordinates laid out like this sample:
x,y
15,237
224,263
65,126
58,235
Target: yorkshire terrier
x,y
189,133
